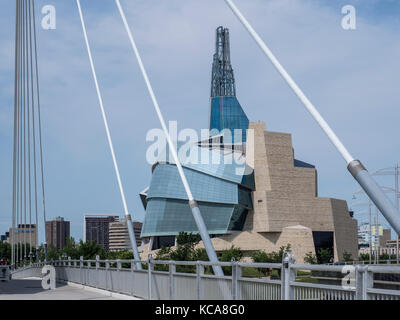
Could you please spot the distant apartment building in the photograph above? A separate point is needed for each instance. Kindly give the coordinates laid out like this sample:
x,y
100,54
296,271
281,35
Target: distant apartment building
x,y
376,232
24,233
57,232
119,235
363,235
96,228
4,237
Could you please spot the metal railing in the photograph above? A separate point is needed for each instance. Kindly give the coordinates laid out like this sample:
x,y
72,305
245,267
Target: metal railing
x,y
194,280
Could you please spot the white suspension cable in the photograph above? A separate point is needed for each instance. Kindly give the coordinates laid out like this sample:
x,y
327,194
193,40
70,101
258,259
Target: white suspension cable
x,y
155,103
355,167
292,84
129,223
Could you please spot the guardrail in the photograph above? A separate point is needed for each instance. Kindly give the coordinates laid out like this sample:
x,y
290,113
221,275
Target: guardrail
x,y
193,280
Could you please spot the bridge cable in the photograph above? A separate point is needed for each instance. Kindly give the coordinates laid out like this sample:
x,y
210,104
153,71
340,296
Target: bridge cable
x,y
40,133
128,216
34,141
354,166
14,136
27,134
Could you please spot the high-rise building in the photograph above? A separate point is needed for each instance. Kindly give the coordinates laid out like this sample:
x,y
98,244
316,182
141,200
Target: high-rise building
x,y
24,233
96,228
57,232
119,235
264,199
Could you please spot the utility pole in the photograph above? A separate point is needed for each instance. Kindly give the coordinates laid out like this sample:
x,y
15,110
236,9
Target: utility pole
x,y
376,237
370,231
396,182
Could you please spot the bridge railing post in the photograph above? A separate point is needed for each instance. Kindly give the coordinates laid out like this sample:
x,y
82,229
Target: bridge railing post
x,y
120,283
199,274
172,271
150,268
107,272
368,283
236,274
132,285
288,275
359,278
81,268
69,261
97,270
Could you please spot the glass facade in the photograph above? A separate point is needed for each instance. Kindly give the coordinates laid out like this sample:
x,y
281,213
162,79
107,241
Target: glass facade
x,y
166,183
227,113
224,204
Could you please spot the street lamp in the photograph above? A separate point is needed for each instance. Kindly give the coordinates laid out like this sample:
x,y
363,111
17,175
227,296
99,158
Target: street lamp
x,y
384,172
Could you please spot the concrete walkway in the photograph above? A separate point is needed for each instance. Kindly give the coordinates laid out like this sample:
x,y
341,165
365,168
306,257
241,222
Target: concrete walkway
x,y
31,289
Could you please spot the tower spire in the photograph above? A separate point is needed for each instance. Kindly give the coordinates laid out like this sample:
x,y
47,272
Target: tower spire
x,y
223,80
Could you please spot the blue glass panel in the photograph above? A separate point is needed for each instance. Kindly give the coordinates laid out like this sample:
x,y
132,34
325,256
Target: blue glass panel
x,y
213,163
238,219
226,113
245,198
169,217
302,164
166,183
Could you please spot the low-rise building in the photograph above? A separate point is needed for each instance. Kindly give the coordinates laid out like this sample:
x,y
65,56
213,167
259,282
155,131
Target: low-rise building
x,y
119,235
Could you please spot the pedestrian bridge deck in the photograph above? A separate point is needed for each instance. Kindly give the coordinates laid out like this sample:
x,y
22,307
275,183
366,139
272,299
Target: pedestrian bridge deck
x,y
31,289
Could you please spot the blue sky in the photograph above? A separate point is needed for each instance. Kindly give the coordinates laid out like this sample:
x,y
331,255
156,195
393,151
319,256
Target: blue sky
x,y
352,77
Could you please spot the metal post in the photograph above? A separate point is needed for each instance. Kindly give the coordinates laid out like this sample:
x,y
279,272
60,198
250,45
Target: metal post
x,y
119,266
133,268
288,274
172,270
356,168
236,270
396,175
107,271
199,274
81,268
368,282
46,257
97,270
149,275
69,261
370,231
376,237
359,273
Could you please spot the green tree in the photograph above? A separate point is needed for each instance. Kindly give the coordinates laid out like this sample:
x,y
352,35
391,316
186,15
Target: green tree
x,y
347,256
5,251
70,249
89,250
184,238
324,255
310,258
364,256
228,255
271,257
